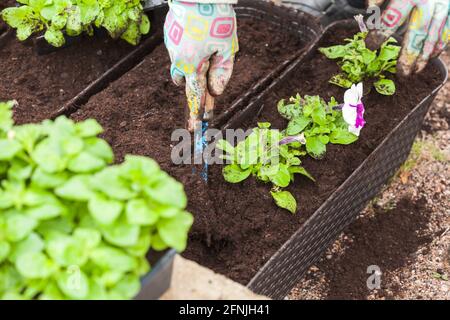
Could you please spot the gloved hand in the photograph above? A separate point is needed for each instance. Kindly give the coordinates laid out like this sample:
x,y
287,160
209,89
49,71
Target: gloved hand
x,y
202,41
427,35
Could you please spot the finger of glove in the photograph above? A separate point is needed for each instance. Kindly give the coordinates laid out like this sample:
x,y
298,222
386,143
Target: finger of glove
x,y
435,30
219,74
415,38
372,3
392,18
196,85
177,75
443,40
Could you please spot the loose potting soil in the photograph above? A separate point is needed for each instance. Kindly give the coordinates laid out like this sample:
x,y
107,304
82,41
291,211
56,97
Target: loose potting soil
x,y
42,84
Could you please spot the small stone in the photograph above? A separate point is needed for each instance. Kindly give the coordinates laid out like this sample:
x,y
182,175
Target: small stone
x,y
123,124
99,52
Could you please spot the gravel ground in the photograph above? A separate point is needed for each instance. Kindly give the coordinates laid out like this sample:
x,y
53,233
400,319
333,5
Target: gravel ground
x,y
404,232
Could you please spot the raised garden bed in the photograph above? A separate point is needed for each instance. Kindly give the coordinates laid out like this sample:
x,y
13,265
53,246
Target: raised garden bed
x,y
237,228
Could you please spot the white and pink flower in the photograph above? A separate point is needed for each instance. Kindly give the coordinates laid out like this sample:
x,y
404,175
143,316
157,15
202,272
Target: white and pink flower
x,y
353,109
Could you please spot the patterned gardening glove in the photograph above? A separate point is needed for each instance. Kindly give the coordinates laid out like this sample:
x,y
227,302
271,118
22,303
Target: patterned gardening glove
x,y
202,41
427,35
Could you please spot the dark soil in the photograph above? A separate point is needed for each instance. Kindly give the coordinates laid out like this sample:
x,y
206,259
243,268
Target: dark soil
x,y
403,233
42,84
238,227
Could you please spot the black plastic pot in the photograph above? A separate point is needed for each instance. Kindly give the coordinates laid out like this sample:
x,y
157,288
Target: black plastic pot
x,y
157,281
287,266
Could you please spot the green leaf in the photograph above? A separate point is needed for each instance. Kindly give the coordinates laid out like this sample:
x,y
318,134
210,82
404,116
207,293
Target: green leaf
x,y
139,212
74,283
48,155
76,188
88,128
144,26
9,148
389,52
174,231
6,120
44,179
127,287
73,26
225,146
285,200
32,243
55,37
334,52
85,162
99,148
168,191
120,233
18,226
341,81
132,34
282,178
342,136
297,125
110,182
234,174
34,265
109,258
315,147
105,211
66,250
45,211
385,87
90,238
4,250
302,171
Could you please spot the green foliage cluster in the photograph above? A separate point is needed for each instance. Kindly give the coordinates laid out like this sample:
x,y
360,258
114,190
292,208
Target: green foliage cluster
x,y
358,63
275,156
262,156
73,226
122,18
319,121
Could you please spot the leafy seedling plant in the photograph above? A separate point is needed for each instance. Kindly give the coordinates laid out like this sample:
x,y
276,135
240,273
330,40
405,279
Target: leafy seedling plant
x,y
72,226
318,121
358,63
121,18
261,155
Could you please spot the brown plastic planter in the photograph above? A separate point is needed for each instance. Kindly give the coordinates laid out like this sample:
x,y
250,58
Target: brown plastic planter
x,y
287,266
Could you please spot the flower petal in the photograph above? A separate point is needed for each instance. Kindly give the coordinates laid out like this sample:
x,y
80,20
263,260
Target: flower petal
x,y
349,114
359,88
351,96
354,130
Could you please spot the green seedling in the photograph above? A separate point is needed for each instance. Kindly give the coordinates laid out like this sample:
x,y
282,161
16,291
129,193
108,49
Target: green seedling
x,y
264,155
358,63
121,18
73,226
